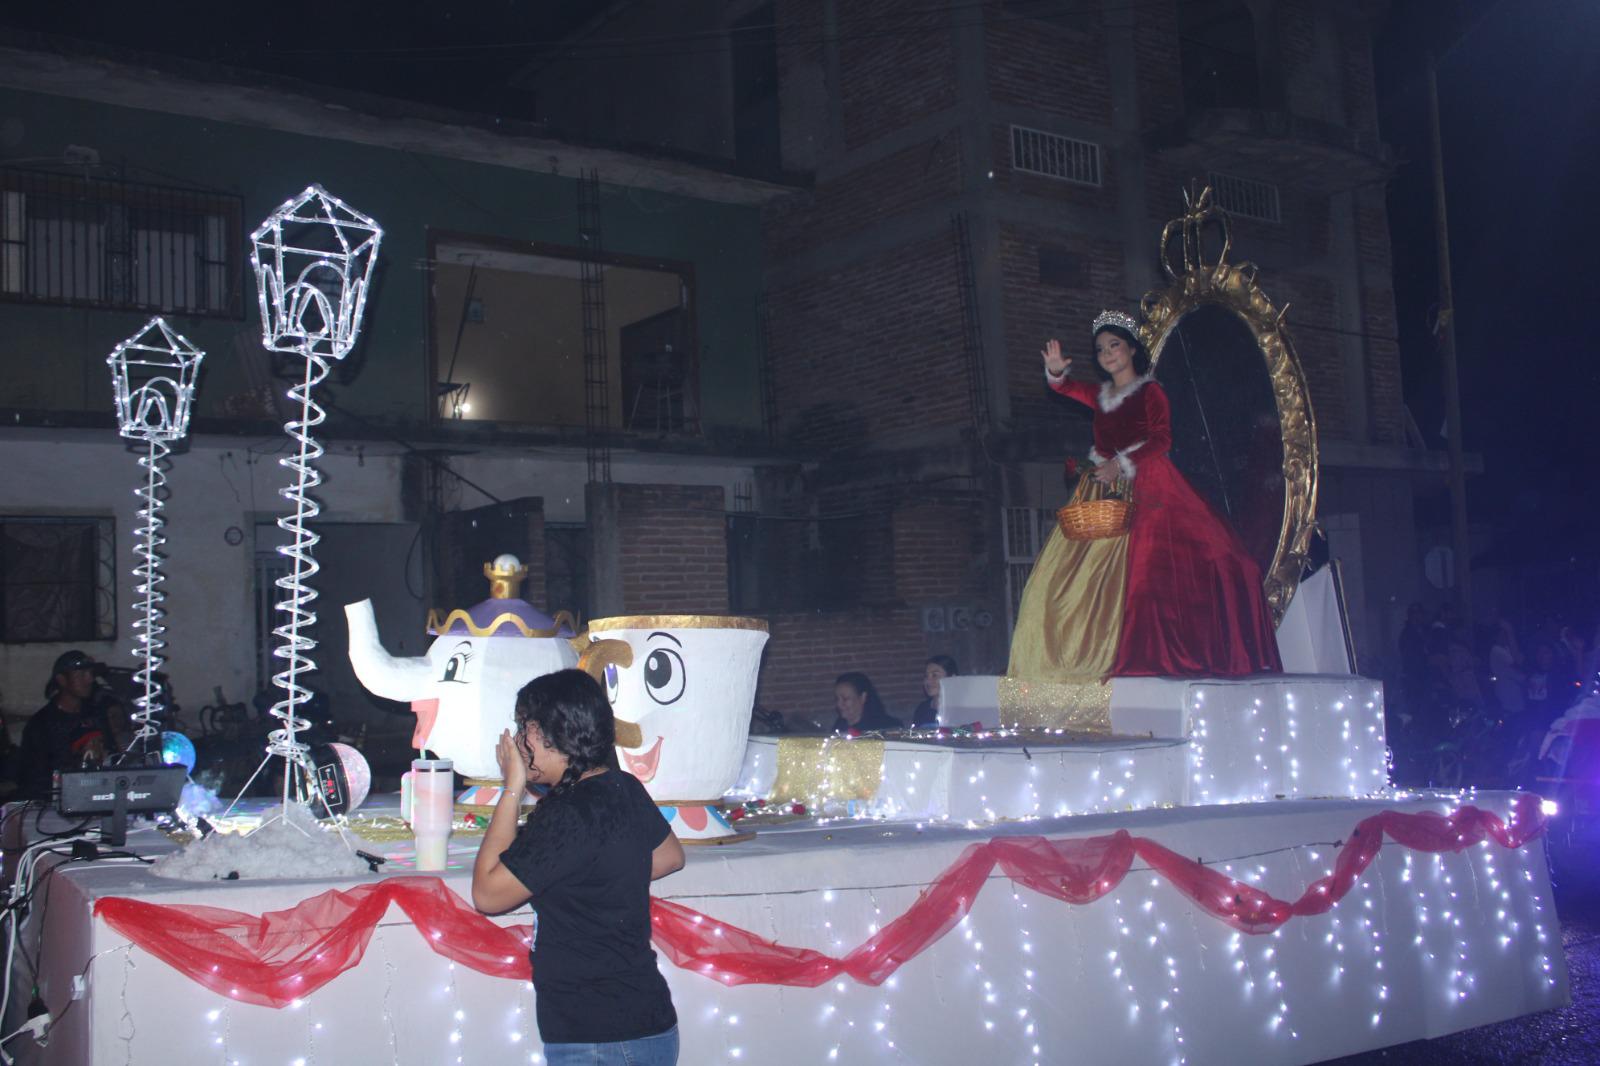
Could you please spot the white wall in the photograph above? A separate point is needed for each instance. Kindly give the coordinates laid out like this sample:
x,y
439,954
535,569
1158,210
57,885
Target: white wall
x,y
223,482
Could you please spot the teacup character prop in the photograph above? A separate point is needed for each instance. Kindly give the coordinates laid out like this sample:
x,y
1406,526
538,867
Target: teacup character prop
x,y
688,691
464,689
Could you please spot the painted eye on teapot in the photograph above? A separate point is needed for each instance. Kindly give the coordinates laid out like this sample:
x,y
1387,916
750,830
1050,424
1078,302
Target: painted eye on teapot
x,y
664,676
611,682
455,667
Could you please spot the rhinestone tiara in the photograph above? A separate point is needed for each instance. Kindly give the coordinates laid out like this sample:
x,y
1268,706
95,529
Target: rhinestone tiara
x,y
1115,318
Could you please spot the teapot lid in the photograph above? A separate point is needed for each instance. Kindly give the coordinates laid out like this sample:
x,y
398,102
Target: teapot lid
x,y
504,613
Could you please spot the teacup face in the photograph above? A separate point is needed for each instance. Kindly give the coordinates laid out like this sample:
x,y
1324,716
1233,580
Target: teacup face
x,y
690,690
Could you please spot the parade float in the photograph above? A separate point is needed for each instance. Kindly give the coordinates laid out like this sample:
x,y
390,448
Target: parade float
x,y
1150,870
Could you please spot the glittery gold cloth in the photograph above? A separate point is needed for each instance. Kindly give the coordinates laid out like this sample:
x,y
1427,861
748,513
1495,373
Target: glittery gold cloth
x,y
1076,706
832,768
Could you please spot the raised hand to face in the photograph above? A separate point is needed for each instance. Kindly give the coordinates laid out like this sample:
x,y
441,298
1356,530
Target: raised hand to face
x,y
513,764
1053,360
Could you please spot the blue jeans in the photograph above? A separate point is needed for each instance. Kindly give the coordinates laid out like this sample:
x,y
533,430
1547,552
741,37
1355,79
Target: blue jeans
x,y
658,1050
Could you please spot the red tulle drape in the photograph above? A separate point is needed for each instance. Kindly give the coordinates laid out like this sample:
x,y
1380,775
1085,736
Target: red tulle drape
x,y
275,958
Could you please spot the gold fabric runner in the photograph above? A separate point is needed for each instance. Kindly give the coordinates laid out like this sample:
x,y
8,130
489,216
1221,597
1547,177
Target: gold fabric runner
x,y
1077,706
827,768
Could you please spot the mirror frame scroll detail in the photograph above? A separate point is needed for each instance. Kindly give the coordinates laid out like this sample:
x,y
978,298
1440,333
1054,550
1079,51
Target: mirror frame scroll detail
x,y
1198,281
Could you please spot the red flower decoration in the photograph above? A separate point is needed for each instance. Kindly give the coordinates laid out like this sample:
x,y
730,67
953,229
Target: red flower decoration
x,y
735,814
1070,466
797,808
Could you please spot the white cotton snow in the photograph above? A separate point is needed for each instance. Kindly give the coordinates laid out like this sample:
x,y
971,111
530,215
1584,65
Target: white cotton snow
x,y
296,846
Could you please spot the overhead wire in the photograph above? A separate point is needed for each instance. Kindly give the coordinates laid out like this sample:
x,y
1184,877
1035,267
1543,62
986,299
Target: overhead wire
x,y
724,39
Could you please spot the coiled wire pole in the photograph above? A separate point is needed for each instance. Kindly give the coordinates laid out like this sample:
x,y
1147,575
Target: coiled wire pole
x,y
153,377
295,647
313,259
147,627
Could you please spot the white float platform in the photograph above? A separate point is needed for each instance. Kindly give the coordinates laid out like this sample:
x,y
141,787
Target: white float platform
x,y
999,780
1176,742
1422,946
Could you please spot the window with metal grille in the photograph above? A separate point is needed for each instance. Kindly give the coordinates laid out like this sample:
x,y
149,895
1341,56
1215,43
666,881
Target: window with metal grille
x,y
120,245
1055,156
1025,529
1246,197
58,579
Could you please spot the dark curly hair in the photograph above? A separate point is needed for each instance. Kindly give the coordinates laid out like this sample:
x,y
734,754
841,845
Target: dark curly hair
x,y
1141,354
573,716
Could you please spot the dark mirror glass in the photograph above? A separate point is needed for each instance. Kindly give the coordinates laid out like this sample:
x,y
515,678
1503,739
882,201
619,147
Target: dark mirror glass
x,y
1226,437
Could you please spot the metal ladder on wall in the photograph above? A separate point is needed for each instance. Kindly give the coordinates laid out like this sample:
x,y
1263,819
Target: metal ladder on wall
x,y
596,359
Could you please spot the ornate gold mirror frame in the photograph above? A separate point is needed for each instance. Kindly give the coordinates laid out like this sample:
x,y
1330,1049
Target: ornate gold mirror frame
x,y
1197,282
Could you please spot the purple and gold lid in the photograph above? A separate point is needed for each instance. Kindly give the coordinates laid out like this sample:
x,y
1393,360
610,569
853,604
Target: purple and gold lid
x,y
504,613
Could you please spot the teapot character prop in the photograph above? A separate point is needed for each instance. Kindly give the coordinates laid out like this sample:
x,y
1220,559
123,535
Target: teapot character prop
x,y
685,693
463,691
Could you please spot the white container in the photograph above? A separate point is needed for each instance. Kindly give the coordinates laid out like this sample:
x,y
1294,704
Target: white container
x,y
431,810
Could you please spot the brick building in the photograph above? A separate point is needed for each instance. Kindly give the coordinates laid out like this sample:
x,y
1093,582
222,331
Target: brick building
x,y
834,238
981,177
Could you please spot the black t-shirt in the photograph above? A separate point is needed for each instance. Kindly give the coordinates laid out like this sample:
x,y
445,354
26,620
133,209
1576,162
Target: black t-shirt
x,y
870,722
585,856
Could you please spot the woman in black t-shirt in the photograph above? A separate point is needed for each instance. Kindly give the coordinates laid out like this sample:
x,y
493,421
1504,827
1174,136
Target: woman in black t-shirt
x,y
585,857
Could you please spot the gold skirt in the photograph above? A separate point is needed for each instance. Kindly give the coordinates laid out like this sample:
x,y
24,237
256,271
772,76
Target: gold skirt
x,y
1071,611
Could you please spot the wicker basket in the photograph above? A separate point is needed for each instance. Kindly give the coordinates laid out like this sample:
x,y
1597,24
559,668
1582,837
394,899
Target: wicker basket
x,y
1096,511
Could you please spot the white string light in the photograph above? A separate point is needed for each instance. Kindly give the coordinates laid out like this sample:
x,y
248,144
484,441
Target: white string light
x,y
313,259
152,379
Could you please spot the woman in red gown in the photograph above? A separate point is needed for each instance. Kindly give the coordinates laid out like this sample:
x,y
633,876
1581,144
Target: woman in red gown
x,y
1193,604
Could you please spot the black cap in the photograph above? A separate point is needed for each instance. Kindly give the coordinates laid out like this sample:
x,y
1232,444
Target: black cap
x,y
69,661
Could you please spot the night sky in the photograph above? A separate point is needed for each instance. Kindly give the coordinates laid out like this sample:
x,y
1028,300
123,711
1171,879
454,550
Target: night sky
x,y
1520,99
1519,90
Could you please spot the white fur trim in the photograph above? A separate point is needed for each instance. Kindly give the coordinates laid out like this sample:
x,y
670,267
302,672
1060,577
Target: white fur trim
x,y
1055,379
1111,398
1125,462
1095,457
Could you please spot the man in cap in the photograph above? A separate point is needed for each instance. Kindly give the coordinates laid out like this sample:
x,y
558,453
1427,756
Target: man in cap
x,y
66,733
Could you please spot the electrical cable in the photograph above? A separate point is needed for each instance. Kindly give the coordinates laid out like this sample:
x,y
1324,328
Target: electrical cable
x,y
724,39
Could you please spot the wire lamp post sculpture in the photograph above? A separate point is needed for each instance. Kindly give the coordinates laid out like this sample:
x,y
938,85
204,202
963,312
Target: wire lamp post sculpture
x,y
313,259
152,377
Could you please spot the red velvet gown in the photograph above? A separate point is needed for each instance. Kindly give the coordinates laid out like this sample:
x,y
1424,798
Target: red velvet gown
x,y
1194,605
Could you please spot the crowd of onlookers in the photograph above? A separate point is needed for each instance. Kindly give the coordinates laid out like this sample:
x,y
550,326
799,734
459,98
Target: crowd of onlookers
x,y
1475,704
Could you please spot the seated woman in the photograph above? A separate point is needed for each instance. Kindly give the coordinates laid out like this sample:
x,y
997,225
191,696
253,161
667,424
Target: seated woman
x,y
860,707
1177,595
938,668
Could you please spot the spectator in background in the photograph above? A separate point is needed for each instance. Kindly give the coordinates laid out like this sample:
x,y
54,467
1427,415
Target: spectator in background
x,y
859,706
67,733
936,670
1567,676
1414,649
1506,673
1539,693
